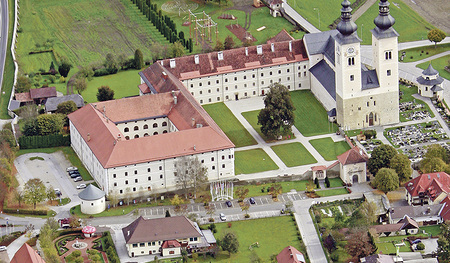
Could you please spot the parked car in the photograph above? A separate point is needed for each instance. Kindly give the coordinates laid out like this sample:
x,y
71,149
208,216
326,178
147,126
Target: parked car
x,y
2,248
222,217
81,186
75,175
252,200
57,192
417,241
71,169
73,172
228,203
77,179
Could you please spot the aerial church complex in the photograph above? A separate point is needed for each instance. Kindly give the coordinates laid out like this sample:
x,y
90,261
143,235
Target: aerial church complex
x,y
131,144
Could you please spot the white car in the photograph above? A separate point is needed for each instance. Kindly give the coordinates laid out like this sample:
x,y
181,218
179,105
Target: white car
x,y
2,248
222,217
77,179
71,169
81,186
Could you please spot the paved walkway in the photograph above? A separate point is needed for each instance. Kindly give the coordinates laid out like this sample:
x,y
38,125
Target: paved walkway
x,y
299,19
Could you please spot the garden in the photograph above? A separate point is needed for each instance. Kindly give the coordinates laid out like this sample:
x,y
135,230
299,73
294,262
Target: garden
x,y
259,189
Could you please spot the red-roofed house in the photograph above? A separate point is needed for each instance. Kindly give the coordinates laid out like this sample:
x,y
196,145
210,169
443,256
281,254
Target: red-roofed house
x,y
444,213
26,254
290,255
429,188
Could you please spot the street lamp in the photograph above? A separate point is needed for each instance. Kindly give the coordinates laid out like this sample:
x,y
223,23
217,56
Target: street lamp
x,y
362,31
318,14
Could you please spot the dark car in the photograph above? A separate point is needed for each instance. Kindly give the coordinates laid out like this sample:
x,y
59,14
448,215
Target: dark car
x,y
75,175
252,200
73,172
228,203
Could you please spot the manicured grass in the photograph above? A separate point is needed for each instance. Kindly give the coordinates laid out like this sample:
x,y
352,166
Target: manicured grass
x,y
353,132
329,149
438,64
253,161
310,117
272,234
230,124
420,53
407,93
331,192
293,154
70,155
335,182
410,25
329,11
389,248
255,190
8,74
433,230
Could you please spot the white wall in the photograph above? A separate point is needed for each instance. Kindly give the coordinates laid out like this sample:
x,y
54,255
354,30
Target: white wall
x,y
93,207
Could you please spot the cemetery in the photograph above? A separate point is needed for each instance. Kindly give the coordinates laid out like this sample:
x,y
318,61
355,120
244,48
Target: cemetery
x,y
412,135
410,111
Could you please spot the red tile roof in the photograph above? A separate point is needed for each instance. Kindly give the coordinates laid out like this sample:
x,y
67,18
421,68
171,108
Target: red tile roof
x,y
352,156
280,37
26,254
23,97
290,255
43,93
431,184
445,211
170,244
166,228
233,60
144,88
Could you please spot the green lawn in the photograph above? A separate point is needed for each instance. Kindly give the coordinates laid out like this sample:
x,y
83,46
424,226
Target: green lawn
x,y
352,133
389,247
253,161
255,190
310,117
410,25
335,182
229,124
331,192
329,149
273,234
8,74
433,230
420,53
293,154
70,155
329,11
439,65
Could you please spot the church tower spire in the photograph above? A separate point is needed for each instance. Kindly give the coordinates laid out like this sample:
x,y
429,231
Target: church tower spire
x,y
384,20
346,26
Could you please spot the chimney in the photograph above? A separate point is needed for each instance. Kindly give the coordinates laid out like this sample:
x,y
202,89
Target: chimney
x,y
175,100
162,63
220,55
119,137
88,137
128,232
172,63
196,59
193,122
291,255
246,51
194,147
272,47
164,75
259,49
290,46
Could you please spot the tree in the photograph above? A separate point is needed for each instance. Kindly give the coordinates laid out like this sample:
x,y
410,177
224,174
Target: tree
x,y
19,196
434,164
229,42
210,210
241,192
189,173
443,250
30,127
277,117
50,193
66,107
74,221
64,68
329,243
176,201
177,49
245,207
275,190
381,158
230,243
359,246
105,93
49,124
28,112
436,36
219,45
438,151
386,180
110,62
402,166
23,84
122,60
80,84
368,210
34,191
138,59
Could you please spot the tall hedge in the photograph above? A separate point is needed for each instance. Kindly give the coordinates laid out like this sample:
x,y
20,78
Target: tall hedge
x,y
51,140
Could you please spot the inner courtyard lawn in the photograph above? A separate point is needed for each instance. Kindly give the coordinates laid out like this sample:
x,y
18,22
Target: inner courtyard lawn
x,y
329,149
410,25
331,192
230,124
310,116
293,154
252,161
252,118
420,53
255,190
335,182
439,65
272,234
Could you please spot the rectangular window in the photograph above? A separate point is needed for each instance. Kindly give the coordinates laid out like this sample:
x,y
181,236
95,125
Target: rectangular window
x,y
161,176
135,171
121,191
114,175
126,173
142,244
135,245
160,168
115,184
352,77
149,178
126,182
223,165
213,168
212,159
374,103
148,170
136,180
388,72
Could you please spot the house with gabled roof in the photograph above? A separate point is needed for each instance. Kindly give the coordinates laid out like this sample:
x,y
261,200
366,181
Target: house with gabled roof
x,y
27,254
405,226
290,254
428,189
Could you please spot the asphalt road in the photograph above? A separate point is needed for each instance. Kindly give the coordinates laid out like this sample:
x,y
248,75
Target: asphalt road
x,y
3,36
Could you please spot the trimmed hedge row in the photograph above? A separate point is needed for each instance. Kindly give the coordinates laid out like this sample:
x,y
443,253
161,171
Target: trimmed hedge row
x,y
25,211
47,141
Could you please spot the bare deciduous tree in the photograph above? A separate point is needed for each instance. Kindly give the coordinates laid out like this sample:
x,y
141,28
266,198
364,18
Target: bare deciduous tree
x,y
190,173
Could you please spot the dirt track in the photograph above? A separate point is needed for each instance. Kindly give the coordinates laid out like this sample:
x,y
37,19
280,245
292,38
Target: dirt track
x,y
437,12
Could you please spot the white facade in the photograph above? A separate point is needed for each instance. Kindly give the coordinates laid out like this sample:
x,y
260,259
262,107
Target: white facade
x,y
91,207
154,247
353,173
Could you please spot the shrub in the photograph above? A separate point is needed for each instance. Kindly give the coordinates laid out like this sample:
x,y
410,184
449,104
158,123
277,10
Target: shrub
x,y
334,256
25,211
263,190
229,224
420,246
76,253
247,216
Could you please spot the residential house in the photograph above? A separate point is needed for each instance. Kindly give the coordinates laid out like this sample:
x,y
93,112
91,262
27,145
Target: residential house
x,y
423,215
37,96
290,254
52,103
26,254
428,189
405,226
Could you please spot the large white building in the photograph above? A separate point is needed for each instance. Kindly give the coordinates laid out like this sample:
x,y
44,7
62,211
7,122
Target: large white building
x,y
328,63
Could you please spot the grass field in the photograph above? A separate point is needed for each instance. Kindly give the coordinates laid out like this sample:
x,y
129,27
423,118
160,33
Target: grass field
x,y
419,53
386,245
310,117
252,161
8,74
408,23
293,154
255,190
335,182
438,64
329,149
229,124
433,230
273,234
331,192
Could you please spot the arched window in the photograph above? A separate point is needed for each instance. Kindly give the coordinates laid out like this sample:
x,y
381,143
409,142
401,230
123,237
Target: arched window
x,y
155,125
165,131
145,134
155,133
164,124
136,136
127,137
136,128
126,129
145,126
